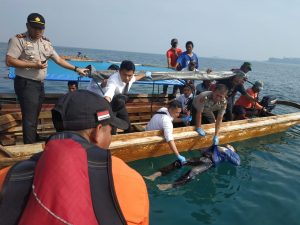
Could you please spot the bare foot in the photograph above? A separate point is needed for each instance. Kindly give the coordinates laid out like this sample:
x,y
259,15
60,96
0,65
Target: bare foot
x,y
164,187
153,176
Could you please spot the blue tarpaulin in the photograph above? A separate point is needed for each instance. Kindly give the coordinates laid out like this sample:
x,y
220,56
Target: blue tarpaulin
x,y
57,73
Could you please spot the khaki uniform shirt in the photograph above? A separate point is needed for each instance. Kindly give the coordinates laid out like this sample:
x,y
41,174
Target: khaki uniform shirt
x,y
23,48
205,104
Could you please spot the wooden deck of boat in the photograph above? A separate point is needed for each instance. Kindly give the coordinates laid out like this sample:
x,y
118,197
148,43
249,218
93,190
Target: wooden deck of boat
x,y
141,145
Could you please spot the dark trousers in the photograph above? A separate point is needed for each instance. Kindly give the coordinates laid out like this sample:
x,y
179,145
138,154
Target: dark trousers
x,y
228,116
118,105
31,95
175,89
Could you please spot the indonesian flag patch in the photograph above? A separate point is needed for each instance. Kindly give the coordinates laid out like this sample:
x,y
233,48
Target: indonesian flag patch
x,y
103,115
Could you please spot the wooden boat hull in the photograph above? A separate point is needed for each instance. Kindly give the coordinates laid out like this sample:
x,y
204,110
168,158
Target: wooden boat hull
x,y
141,145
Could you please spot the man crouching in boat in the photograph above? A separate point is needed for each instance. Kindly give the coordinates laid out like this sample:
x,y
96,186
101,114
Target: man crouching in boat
x,y
118,86
207,103
163,120
209,158
243,107
76,180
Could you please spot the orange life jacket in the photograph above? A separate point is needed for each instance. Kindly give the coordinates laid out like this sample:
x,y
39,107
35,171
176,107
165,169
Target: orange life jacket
x,y
243,101
79,183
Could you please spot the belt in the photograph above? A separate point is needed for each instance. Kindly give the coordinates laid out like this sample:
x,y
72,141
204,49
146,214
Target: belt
x,y
23,78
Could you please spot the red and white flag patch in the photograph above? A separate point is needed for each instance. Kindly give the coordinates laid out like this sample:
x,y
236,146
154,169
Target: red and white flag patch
x,y
103,115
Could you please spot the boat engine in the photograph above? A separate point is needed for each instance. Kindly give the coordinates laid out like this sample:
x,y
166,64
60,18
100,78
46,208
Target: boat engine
x,y
268,102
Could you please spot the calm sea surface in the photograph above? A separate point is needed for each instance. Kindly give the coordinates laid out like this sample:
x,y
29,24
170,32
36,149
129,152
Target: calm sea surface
x,y
265,189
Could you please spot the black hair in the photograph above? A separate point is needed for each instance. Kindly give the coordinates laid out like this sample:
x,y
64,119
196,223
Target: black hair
x,y
189,43
73,82
127,65
113,67
174,104
188,86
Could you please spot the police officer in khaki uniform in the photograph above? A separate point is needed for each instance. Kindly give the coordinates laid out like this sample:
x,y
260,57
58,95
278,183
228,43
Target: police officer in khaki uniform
x,y
28,53
208,102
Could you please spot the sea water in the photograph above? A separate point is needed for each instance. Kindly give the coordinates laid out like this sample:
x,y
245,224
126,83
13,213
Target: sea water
x,y
265,189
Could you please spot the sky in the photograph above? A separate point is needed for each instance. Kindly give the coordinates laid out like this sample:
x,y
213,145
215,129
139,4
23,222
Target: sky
x,y
231,29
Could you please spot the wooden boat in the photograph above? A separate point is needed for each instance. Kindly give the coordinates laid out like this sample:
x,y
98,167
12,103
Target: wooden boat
x,y
145,144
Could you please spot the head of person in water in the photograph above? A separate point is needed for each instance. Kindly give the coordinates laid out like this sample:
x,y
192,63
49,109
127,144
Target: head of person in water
x,y
226,147
189,45
174,108
72,86
187,90
219,94
127,69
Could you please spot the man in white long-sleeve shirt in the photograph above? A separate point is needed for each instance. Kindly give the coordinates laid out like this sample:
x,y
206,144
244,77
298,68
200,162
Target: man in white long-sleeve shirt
x,y
163,120
118,86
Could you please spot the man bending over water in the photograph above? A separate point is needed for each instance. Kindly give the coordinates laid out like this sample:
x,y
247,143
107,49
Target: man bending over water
x,y
210,157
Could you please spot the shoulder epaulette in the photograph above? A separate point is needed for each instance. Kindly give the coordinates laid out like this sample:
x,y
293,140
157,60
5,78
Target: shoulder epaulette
x,y
22,35
46,39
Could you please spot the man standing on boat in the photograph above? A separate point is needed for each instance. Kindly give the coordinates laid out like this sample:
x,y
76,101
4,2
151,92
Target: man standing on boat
x,y
118,86
245,68
28,53
185,59
172,55
188,56
207,103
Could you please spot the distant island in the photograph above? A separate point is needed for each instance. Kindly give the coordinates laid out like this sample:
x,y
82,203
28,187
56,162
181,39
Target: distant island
x,y
285,60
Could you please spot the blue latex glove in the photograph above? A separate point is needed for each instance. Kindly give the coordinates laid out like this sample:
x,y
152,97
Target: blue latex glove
x,y
186,119
148,74
200,132
181,159
215,140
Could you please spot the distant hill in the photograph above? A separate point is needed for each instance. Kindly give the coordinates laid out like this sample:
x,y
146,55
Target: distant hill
x,y
285,60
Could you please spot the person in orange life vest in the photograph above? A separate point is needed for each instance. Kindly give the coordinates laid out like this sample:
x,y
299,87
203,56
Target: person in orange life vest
x,y
172,55
70,178
244,107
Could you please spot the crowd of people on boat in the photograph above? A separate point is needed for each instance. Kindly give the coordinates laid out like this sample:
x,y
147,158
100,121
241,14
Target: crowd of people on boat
x,y
76,160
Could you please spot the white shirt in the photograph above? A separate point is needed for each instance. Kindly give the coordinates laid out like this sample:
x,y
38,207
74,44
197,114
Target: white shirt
x,y
96,88
115,85
162,122
183,100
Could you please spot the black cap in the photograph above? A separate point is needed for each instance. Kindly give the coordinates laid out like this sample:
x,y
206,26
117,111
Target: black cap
x,y
174,40
83,109
246,65
36,20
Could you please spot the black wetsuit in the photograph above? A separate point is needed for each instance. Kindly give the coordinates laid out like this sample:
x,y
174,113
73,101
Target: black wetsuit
x,y
210,157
